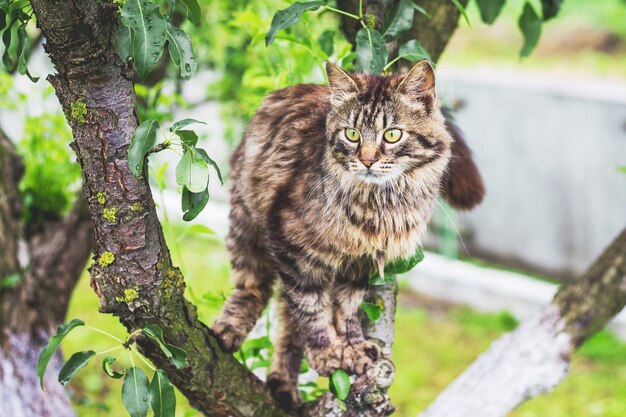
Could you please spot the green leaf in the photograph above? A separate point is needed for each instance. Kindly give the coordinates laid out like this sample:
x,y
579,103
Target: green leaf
x,y
490,9
211,162
288,17
134,392
53,344
192,172
148,34
106,367
530,25
372,311
10,46
181,51
193,11
184,123
188,137
122,42
74,364
376,280
339,384
371,51
420,9
193,203
10,281
462,10
326,42
398,20
176,355
197,229
22,69
143,139
161,395
400,266
413,51
621,169
550,8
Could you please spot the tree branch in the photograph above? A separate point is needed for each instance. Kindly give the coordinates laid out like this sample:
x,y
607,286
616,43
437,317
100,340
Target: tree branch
x,y
535,358
141,286
11,170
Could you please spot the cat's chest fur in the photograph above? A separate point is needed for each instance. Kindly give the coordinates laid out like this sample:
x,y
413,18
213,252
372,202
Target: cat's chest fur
x,y
380,222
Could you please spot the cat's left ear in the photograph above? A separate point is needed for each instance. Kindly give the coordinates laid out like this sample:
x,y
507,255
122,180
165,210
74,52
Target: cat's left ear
x,y
341,84
419,81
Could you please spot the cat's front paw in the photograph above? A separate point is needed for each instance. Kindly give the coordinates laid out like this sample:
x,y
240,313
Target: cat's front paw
x,y
358,358
326,360
229,337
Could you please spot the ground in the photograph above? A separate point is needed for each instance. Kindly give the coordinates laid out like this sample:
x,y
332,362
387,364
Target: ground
x,y
435,342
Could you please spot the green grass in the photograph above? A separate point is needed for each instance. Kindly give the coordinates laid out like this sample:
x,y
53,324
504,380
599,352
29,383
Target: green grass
x,y
432,348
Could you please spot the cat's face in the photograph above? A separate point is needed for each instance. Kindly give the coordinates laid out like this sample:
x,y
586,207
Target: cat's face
x,y
381,128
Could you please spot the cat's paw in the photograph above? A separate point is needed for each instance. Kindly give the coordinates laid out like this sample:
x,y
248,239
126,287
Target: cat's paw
x,y
284,391
359,358
229,337
327,360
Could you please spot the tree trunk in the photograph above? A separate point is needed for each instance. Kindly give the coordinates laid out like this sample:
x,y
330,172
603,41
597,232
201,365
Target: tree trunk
x,y
535,358
30,310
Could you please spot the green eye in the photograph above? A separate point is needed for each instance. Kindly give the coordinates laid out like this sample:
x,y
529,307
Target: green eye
x,y
393,135
352,135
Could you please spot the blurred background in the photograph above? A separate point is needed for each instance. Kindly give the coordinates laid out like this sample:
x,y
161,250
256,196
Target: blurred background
x,y
548,133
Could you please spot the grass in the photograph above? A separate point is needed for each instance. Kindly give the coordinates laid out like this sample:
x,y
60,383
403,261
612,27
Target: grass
x,y
433,346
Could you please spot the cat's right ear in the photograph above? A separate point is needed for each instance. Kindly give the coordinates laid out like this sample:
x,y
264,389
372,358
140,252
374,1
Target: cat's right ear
x,y
341,84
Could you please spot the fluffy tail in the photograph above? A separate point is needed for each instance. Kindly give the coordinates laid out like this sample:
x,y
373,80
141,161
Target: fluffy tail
x,y
462,185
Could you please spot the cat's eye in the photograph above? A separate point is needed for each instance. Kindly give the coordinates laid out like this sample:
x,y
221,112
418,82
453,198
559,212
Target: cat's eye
x,y
353,135
392,135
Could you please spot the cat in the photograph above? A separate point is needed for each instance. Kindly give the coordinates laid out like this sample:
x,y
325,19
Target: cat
x,y
328,183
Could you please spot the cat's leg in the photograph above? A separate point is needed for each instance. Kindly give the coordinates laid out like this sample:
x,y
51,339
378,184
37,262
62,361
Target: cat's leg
x,y
286,361
359,354
253,275
308,297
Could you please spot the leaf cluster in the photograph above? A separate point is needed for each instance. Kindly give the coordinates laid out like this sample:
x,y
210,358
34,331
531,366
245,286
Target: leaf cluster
x,y
144,31
192,171
139,394
14,18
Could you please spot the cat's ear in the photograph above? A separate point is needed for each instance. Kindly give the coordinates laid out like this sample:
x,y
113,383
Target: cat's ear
x,y
419,81
462,184
342,85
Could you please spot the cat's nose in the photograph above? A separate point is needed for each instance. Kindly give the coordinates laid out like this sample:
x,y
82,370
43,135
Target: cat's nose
x,y
368,162
369,154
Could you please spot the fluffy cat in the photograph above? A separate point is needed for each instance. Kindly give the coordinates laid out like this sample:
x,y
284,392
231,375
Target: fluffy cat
x,y
328,183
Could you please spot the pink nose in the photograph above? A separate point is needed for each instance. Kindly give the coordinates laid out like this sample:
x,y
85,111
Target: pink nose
x,y
368,162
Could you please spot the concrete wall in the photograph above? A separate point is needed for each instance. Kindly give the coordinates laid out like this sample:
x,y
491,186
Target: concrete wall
x,y
548,149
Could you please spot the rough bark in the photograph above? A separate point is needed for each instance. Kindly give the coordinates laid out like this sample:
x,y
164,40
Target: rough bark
x,y
10,208
141,286
57,256
535,358
434,31
30,310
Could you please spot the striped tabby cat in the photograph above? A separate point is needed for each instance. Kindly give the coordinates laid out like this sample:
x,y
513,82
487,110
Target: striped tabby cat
x,y
328,183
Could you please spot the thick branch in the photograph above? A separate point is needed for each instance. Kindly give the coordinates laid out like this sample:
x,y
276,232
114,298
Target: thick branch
x,y
535,358
58,254
10,206
140,286
433,31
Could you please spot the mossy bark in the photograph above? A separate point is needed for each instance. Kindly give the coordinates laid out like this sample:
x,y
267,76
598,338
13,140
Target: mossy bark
x,y
79,35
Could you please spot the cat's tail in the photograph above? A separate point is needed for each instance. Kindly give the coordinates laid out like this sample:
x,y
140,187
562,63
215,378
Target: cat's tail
x,y
462,185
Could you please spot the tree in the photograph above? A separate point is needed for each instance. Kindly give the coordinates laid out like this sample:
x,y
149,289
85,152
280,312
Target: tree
x,y
133,275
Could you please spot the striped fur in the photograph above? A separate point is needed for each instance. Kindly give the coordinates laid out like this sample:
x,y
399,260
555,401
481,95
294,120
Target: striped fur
x,y
307,210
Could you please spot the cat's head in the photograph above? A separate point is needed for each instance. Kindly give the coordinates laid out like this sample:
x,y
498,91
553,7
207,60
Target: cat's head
x,y
382,127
